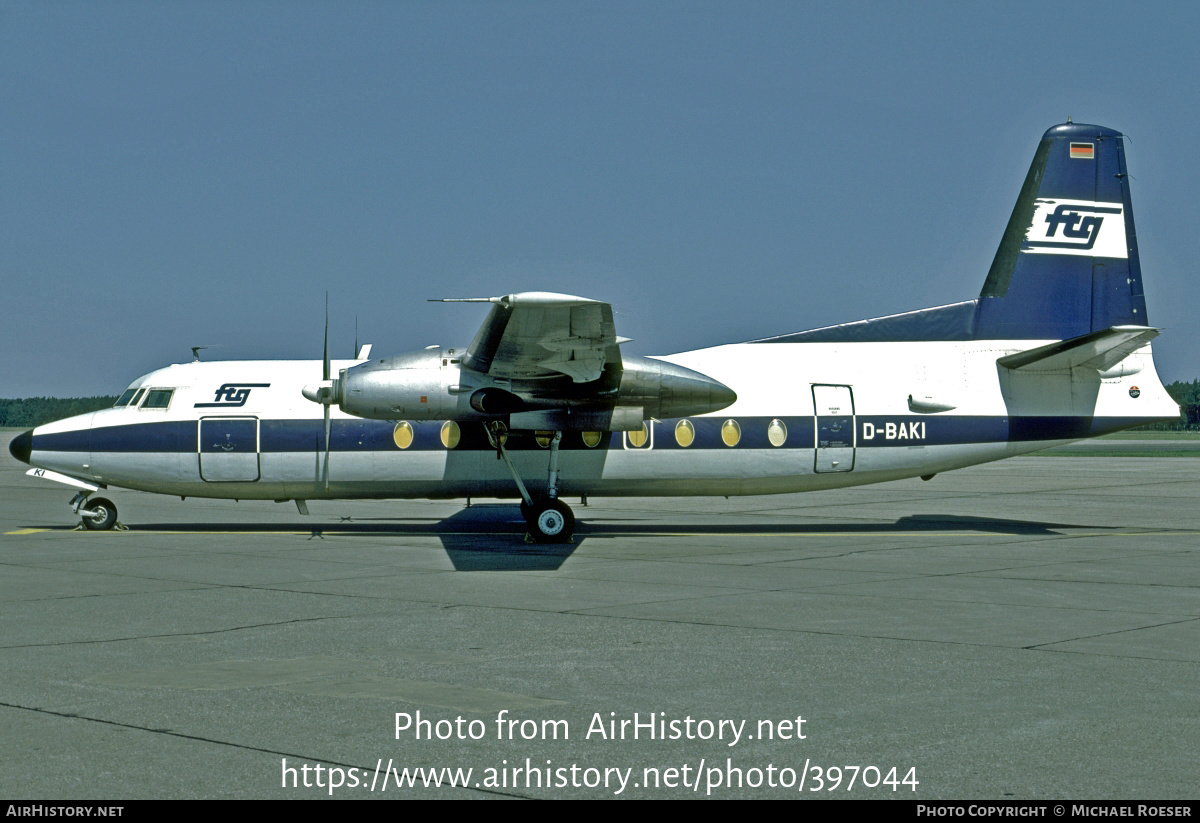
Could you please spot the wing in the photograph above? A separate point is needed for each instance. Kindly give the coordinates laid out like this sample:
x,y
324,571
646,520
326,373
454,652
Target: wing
x,y
539,335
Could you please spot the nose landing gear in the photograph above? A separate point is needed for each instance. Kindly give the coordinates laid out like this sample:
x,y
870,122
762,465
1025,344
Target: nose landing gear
x,y
97,514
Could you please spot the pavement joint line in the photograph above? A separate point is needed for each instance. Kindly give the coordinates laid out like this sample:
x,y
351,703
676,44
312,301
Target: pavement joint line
x,y
1039,646
194,588
930,599
924,640
589,611
885,596
1030,565
200,739
1120,484
819,588
248,587
1074,582
180,634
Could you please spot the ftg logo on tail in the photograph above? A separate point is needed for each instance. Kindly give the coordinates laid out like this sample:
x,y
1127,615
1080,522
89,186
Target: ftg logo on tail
x,y
1081,227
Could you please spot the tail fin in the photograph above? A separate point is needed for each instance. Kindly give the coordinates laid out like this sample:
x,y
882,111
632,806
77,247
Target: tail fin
x,y
1068,263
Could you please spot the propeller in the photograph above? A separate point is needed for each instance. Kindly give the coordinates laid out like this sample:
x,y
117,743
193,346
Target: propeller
x,y
325,393
325,382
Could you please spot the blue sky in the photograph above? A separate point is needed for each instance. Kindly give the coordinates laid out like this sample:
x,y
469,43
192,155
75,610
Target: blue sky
x,y
180,174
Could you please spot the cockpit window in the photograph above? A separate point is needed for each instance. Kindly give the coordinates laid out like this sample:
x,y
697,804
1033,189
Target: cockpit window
x,y
158,398
137,396
124,399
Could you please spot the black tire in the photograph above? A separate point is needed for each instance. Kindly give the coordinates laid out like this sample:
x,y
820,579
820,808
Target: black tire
x,y
105,517
527,513
551,521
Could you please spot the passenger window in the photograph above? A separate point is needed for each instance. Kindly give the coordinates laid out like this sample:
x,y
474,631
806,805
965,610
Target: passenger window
x,y
158,398
731,433
124,399
640,439
403,434
685,433
777,432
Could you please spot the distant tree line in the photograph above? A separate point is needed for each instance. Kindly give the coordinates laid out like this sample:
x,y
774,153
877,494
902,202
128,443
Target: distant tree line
x,y
28,412
1187,395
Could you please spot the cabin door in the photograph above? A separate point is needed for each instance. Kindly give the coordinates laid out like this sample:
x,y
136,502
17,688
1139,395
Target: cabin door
x,y
834,410
228,449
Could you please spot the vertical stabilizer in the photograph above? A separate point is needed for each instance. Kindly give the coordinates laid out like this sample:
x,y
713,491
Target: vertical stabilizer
x,y
1068,263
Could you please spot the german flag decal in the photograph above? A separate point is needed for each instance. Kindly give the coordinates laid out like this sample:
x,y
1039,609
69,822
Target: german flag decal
x,y
1082,151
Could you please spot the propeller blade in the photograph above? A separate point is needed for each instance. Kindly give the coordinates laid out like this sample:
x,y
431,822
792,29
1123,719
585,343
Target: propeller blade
x,y
326,447
325,358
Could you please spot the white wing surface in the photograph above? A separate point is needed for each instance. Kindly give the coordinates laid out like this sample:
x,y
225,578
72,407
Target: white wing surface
x,y
537,335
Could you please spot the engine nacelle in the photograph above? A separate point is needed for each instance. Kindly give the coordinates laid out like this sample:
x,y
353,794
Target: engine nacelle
x,y
433,385
414,386
665,390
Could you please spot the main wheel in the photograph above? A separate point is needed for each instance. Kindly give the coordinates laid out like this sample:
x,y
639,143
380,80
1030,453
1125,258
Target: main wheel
x,y
104,517
551,521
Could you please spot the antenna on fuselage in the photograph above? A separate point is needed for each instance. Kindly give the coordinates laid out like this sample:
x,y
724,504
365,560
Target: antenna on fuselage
x,y
196,353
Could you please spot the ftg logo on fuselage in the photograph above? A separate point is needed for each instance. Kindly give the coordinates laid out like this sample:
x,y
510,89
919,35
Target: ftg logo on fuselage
x,y
232,395
1081,227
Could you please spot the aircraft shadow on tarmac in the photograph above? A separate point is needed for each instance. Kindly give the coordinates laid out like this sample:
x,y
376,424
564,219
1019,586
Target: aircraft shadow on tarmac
x,y
494,537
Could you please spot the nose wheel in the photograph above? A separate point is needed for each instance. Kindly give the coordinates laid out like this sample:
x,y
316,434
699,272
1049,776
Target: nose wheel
x,y
100,514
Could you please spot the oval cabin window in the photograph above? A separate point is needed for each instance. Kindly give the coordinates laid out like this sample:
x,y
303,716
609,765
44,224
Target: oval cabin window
x,y
403,434
731,432
638,439
777,432
685,433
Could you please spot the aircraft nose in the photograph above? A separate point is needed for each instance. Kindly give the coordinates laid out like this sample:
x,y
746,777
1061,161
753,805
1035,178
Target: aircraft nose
x,y
22,446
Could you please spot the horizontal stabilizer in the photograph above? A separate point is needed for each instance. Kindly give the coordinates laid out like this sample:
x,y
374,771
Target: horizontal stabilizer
x,y
1099,350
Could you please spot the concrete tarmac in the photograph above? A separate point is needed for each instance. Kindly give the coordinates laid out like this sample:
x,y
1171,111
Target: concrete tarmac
x,y
1025,629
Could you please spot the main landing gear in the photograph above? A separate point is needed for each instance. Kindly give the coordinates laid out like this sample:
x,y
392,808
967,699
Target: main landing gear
x,y
97,514
550,519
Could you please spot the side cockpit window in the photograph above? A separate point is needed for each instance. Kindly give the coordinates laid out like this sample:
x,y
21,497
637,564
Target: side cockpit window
x,y
124,399
158,398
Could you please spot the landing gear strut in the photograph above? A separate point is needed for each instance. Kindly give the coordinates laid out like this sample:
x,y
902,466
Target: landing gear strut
x,y
550,519
97,514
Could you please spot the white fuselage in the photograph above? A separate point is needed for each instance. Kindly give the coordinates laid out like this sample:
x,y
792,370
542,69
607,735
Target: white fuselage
x,y
807,416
